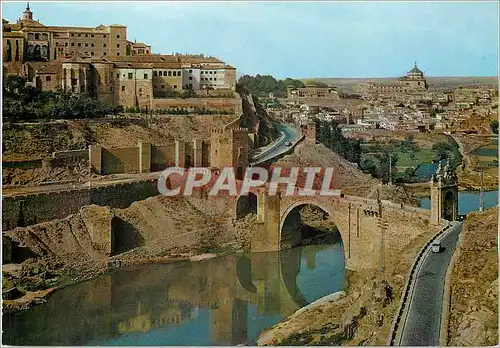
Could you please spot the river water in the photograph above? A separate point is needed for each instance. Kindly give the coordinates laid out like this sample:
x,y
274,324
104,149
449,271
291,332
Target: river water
x,y
468,201
223,301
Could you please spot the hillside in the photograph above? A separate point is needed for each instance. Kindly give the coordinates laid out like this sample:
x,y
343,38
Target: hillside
x,y
346,175
474,302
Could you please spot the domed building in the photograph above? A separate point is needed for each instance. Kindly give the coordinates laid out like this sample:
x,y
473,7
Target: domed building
x,y
414,82
415,79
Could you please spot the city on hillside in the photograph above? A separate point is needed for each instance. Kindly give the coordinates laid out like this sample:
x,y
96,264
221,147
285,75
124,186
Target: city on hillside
x,y
320,173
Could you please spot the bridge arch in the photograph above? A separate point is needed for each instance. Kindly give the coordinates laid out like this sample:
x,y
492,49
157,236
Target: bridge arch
x,y
450,206
246,204
291,217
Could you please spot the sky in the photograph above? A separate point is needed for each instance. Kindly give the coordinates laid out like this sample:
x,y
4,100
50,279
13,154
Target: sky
x,y
303,39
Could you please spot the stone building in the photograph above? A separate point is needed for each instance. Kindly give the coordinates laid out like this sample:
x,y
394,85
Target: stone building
x,y
229,148
101,63
312,91
413,82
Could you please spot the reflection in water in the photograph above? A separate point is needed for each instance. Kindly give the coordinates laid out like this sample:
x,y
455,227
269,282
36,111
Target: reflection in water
x,y
223,301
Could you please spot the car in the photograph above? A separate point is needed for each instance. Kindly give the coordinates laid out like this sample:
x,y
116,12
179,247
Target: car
x,y
436,247
288,143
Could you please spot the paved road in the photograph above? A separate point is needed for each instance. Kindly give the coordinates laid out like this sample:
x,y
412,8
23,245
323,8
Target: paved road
x,y
288,134
423,323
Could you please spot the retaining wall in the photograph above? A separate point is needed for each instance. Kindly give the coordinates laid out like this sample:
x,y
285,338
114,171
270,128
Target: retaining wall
x,y
31,209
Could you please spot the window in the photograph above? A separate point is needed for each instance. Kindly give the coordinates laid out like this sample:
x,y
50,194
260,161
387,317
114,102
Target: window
x,y
118,53
130,75
155,73
91,35
72,34
145,76
190,77
91,45
160,73
66,44
162,86
104,36
190,71
86,35
118,75
117,36
169,73
48,78
86,44
147,51
111,88
190,85
210,79
79,35
175,73
72,44
140,89
103,45
104,53
175,86
179,73
79,44
91,53
117,45
215,78
123,88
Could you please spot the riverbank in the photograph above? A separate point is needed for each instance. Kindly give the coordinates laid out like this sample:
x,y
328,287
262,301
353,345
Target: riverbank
x,y
363,317
468,175
82,246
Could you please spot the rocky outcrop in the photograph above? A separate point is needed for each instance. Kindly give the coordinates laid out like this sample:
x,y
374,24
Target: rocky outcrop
x,y
256,119
474,300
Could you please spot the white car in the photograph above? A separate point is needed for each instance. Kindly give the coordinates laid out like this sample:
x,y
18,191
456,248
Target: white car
x,y
288,143
436,247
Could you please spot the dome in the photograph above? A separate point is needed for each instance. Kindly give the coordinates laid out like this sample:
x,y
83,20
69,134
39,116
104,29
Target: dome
x,y
415,72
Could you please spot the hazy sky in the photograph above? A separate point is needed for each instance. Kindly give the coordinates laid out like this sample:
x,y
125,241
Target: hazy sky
x,y
303,39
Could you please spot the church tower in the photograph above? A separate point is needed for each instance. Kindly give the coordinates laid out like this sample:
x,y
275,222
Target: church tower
x,y
27,14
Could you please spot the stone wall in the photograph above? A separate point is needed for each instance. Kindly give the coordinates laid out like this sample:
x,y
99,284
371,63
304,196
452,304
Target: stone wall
x,y
365,227
25,210
227,104
147,158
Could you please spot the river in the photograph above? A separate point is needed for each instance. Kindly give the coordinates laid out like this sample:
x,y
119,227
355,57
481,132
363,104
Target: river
x,y
228,300
468,201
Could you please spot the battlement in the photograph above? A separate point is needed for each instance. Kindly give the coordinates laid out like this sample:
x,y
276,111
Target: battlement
x,y
239,130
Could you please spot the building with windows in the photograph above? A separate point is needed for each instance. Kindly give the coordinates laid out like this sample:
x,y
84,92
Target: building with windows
x,y
101,63
413,82
30,40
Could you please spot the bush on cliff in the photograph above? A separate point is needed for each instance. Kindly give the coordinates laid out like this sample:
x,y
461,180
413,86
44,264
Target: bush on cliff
x,y
24,102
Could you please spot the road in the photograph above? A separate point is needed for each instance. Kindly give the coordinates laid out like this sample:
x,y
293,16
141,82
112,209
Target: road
x,y
423,319
288,134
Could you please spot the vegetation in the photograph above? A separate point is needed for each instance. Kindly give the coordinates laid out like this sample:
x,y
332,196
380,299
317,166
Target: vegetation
x,y
331,136
262,85
22,102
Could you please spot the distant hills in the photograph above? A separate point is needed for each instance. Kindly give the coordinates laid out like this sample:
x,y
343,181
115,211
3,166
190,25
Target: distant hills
x,y
435,83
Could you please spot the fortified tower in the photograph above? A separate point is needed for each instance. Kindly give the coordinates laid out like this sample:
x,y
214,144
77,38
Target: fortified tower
x,y
444,194
229,148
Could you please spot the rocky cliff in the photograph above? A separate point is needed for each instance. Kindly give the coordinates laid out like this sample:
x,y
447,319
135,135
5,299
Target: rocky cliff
x,y
256,119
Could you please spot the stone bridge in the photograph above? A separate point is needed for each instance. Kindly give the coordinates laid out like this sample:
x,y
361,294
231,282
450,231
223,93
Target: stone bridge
x,y
369,228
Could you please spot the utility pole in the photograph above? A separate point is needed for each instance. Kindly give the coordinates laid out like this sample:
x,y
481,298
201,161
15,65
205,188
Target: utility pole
x,y
390,169
481,198
382,225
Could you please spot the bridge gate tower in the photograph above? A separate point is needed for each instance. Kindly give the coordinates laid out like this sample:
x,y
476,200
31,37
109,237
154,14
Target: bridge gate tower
x,y
444,194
